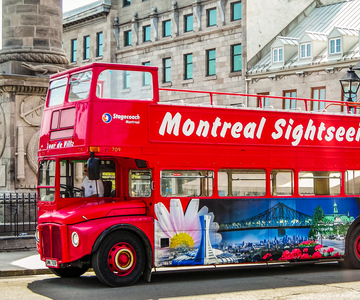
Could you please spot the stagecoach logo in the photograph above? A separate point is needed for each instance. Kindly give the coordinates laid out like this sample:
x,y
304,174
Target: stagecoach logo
x,y
129,119
106,117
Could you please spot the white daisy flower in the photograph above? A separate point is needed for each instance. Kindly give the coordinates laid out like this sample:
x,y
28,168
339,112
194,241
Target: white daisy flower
x,y
183,230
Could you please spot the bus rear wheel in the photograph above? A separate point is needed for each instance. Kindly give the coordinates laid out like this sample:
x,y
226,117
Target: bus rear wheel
x,y
352,258
70,272
120,259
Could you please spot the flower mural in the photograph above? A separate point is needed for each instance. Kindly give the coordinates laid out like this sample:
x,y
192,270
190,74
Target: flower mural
x,y
191,235
303,253
183,229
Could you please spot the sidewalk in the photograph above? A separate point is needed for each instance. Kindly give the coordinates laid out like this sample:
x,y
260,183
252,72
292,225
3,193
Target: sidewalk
x,y
21,263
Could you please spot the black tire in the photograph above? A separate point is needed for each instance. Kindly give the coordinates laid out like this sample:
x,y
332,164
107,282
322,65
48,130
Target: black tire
x,y
120,259
352,258
70,272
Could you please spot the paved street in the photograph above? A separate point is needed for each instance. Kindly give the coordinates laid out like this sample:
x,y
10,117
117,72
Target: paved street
x,y
326,281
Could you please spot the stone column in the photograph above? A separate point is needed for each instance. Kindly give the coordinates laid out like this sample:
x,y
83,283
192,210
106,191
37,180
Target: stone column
x,y
31,33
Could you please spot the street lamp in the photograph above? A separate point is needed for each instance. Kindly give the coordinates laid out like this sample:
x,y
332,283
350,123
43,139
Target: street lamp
x,y
350,84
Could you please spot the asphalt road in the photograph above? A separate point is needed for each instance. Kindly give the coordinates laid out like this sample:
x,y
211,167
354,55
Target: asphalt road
x,y
325,281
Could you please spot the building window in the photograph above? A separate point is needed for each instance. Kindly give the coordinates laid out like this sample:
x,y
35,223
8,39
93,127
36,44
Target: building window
x,y
188,60
146,75
167,28
126,2
318,94
127,38
167,69
99,44
86,47
73,50
235,11
264,101
277,55
211,62
289,103
147,33
335,46
236,65
126,79
305,50
211,17
189,23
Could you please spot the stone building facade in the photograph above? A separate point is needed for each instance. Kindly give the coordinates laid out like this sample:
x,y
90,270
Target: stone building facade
x,y
195,44
158,33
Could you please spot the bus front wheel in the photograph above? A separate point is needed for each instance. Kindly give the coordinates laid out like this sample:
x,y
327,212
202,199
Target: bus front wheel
x,y
352,258
120,259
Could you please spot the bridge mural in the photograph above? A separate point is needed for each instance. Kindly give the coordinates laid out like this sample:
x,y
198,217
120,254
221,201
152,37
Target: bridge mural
x,y
215,231
280,215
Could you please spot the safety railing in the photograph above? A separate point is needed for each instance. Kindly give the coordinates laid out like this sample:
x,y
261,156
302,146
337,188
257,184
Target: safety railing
x,y
18,214
264,101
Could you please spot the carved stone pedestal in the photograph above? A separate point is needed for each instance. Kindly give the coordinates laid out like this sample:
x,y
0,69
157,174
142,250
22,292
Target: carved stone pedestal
x,y
21,104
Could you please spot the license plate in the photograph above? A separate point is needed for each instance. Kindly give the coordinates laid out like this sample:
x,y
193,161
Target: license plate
x,y
52,263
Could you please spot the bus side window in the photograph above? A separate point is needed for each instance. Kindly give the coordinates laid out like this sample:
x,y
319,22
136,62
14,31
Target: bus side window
x,y
319,183
187,183
242,182
282,182
352,182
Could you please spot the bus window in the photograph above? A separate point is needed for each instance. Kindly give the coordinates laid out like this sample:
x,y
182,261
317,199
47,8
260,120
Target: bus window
x,y
57,91
223,184
248,182
70,178
108,177
187,183
80,86
319,183
74,181
46,180
242,183
140,183
352,182
282,182
120,84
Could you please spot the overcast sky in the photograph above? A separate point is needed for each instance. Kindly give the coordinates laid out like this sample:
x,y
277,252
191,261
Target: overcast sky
x,y
67,5
72,4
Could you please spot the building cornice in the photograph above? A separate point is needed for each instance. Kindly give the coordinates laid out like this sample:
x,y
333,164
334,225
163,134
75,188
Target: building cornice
x,y
23,84
83,14
302,71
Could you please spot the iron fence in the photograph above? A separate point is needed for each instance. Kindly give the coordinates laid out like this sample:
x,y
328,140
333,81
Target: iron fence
x,y
18,214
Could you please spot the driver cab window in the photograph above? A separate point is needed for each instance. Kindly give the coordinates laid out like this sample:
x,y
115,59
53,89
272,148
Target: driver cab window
x,y
140,183
74,182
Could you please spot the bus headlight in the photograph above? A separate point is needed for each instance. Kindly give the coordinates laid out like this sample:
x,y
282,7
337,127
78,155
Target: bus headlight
x,y
75,239
37,238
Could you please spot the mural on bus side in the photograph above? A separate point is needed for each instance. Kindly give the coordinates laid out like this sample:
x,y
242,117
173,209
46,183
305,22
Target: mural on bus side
x,y
256,230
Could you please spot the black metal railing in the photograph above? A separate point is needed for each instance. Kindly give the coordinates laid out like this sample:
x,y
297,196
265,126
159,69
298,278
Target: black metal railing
x,y
18,214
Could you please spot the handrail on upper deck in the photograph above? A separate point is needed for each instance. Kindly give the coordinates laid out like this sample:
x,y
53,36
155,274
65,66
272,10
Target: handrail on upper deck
x,y
349,105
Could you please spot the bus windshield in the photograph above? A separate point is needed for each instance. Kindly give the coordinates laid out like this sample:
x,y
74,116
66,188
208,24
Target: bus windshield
x,y
121,84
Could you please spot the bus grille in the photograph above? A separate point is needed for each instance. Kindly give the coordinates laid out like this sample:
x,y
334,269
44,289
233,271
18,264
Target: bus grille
x,y
51,241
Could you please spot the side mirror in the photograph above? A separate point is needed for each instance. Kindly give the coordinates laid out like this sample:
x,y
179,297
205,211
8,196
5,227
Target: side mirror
x,y
93,165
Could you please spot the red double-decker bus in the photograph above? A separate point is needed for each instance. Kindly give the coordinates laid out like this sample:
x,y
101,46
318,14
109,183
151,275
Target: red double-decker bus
x,y
128,183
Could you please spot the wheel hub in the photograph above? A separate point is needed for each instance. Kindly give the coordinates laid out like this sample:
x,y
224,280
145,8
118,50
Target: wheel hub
x,y
121,259
357,246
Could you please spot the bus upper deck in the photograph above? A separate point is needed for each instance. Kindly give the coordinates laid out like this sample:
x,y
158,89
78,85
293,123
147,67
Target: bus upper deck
x,y
116,108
